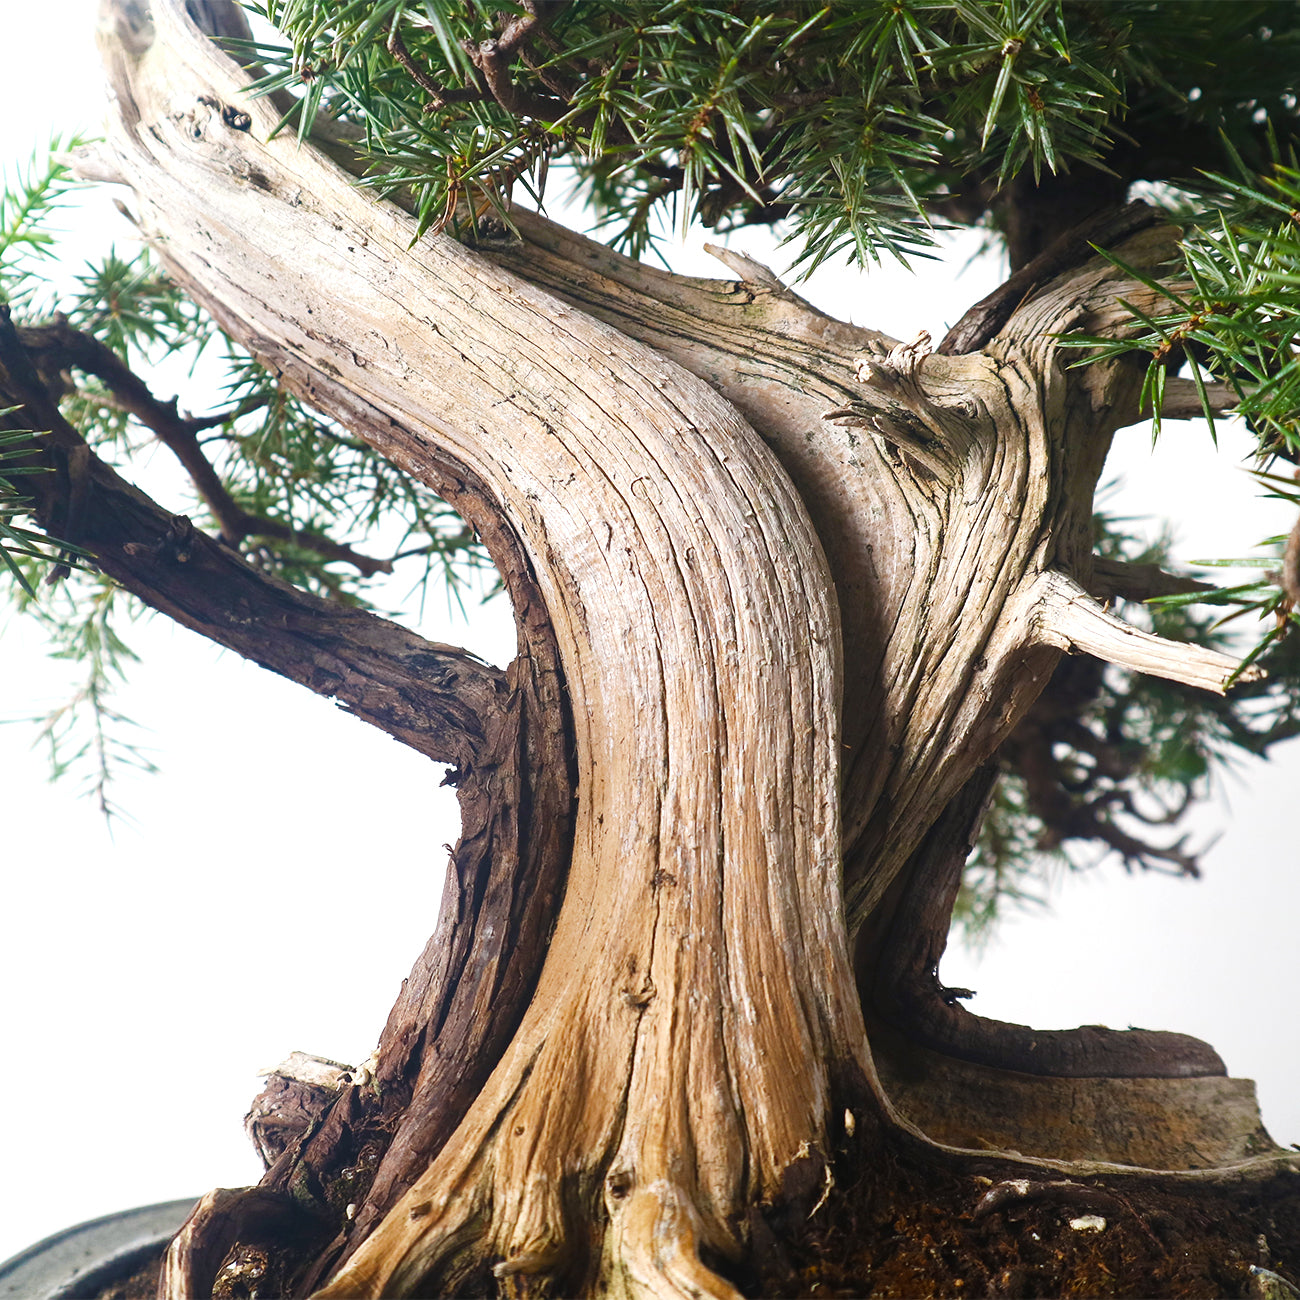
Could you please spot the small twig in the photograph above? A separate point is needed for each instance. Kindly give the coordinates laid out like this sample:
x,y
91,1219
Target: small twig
x,y
1289,574
438,97
750,272
519,28
199,423
1135,853
1112,578
492,58
1182,399
547,75
464,538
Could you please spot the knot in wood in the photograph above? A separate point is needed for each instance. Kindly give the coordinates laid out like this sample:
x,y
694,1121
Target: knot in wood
x,y
896,371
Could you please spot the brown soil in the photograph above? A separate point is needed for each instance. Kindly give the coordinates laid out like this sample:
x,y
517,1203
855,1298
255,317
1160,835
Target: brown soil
x,y
898,1229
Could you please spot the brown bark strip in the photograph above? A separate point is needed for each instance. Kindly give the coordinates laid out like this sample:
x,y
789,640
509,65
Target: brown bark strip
x,y
982,322
431,697
902,978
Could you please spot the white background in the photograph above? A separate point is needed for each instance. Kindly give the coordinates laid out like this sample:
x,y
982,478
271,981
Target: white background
x,y
147,976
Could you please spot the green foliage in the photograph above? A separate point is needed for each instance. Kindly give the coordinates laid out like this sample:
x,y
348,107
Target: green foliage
x,y
853,125
853,122
29,197
17,543
131,307
1009,867
1235,316
282,462
1233,319
87,737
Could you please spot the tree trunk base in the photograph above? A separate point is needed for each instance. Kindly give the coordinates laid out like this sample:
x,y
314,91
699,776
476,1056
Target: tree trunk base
x,y
896,1224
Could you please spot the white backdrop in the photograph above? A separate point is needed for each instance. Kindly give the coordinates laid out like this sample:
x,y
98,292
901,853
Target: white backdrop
x,y
135,967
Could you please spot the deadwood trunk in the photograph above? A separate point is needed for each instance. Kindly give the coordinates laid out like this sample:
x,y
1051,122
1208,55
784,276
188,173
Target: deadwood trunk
x,y
783,587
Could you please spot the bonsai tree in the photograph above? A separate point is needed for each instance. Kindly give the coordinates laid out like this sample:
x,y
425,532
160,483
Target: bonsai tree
x,y
798,604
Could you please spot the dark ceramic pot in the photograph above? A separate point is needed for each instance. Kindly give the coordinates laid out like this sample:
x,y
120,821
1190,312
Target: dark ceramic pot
x,y
81,1261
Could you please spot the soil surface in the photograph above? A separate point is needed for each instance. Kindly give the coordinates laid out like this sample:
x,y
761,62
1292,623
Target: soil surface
x,y
898,1229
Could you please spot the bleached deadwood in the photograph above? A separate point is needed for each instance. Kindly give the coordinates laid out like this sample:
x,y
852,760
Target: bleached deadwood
x,y
750,272
698,987
697,530
1070,619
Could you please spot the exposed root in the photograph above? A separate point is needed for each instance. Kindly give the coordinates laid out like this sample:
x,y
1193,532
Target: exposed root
x,y
655,1247
519,1189
247,1215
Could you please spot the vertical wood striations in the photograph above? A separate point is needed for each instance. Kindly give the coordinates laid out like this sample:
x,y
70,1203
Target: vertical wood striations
x,y
697,990
759,553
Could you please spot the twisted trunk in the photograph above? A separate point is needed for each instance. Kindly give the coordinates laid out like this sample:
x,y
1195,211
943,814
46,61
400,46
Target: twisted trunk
x,y
784,586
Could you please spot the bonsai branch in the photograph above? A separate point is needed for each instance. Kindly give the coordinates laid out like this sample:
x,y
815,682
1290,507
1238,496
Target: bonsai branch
x,y
491,60
433,697
1119,579
1084,808
982,322
438,96
1182,399
67,347
1070,619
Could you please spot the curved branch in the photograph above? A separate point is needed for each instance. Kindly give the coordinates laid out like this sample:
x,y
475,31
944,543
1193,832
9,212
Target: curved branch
x,y
435,698
72,348
982,322
905,990
1070,619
